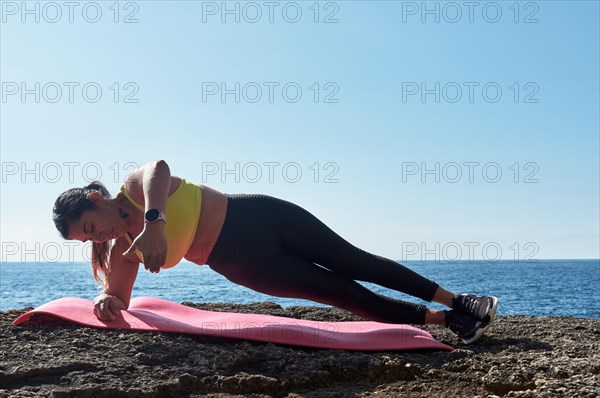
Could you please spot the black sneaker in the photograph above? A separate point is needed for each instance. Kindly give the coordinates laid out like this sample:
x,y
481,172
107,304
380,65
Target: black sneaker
x,y
481,307
467,327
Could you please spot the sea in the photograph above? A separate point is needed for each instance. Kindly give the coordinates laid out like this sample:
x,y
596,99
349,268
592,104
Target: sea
x,y
535,287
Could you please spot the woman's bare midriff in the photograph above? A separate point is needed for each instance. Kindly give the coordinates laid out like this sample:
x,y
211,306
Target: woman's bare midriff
x,y
212,217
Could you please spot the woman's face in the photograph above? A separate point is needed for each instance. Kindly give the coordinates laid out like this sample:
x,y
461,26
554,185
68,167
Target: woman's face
x,y
99,225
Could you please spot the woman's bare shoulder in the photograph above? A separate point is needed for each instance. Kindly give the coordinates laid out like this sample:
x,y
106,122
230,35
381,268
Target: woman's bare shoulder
x,y
135,189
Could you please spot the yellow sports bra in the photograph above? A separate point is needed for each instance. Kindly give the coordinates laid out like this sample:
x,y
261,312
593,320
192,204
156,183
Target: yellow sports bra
x,y
183,215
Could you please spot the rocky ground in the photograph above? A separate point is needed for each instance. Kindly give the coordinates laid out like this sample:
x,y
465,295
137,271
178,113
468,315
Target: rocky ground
x,y
520,356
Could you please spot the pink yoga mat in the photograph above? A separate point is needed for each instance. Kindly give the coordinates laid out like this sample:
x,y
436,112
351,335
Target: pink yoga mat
x,y
153,314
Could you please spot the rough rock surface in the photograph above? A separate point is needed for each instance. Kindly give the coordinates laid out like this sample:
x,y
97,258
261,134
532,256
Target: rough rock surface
x,y
520,356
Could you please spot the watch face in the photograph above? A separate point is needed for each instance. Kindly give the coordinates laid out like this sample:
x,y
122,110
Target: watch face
x,y
152,215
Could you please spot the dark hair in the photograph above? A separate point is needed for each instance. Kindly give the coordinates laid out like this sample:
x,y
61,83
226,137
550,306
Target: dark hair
x,y
68,208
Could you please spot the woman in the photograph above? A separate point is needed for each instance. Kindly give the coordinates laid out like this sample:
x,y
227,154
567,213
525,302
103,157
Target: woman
x,y
258,241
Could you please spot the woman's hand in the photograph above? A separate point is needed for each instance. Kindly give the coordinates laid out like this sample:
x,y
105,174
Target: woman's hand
x,y
106,307
152,242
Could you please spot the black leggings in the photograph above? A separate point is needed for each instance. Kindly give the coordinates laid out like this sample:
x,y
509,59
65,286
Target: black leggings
x,y
278,248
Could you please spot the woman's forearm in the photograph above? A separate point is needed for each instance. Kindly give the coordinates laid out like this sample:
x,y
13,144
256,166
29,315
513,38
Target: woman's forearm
x,y
121,279
123,273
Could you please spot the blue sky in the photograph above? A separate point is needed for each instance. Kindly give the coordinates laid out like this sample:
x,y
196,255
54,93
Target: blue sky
x,y
368,137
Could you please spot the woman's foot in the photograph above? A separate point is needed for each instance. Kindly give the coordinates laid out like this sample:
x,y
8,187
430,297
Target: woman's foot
x,y
481,307
467,327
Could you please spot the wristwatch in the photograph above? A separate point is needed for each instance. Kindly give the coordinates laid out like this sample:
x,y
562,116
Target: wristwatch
x,y
153,215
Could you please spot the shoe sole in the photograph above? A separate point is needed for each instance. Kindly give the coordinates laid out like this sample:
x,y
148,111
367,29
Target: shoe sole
x,y
478,334
491,314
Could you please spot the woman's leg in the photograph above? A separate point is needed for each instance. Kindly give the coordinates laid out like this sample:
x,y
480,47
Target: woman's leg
x,y
307,237
286,275
250,251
